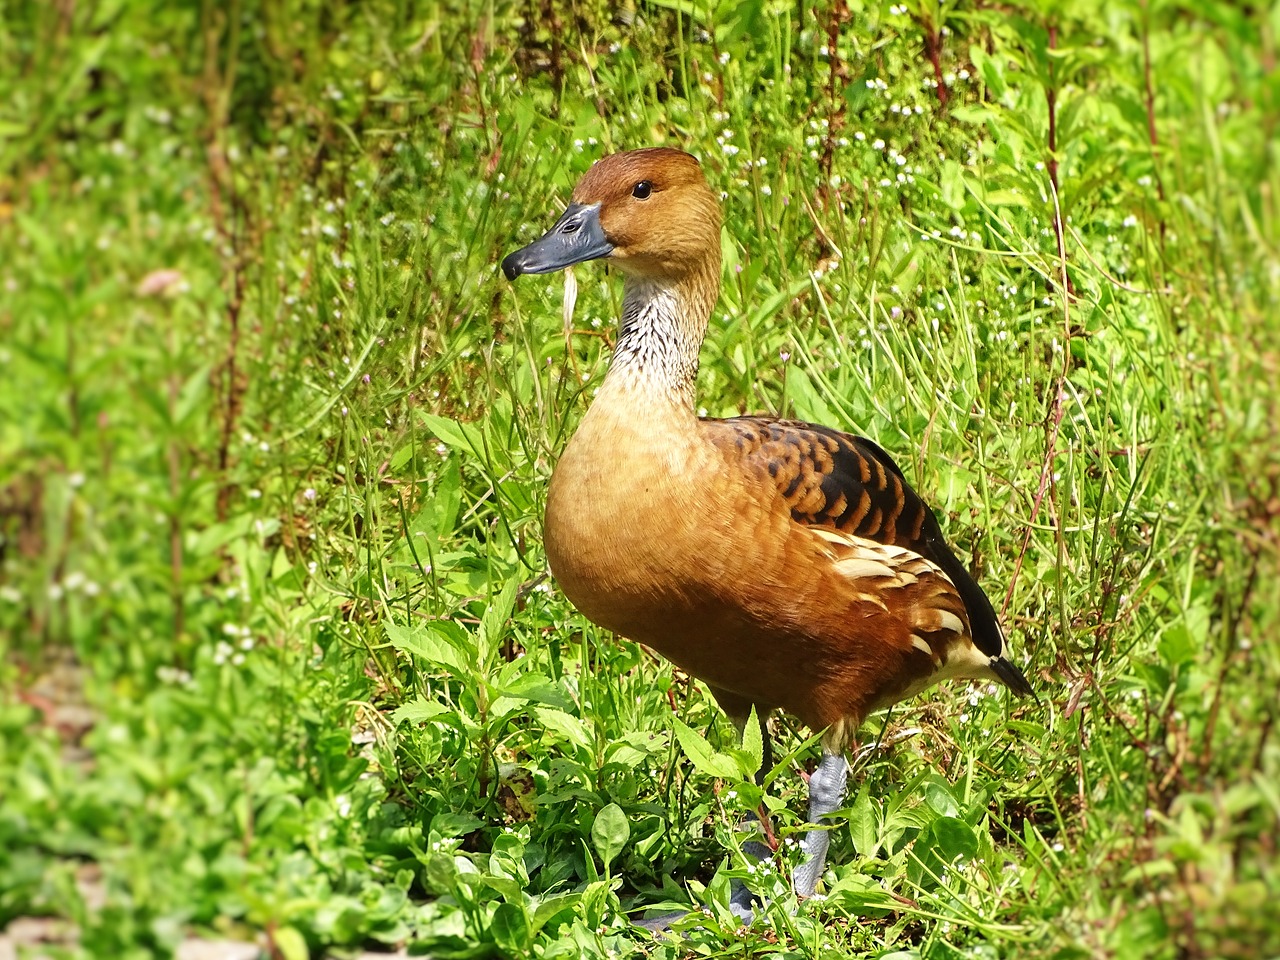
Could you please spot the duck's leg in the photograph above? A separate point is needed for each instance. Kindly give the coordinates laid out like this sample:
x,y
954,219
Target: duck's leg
x,y
826,795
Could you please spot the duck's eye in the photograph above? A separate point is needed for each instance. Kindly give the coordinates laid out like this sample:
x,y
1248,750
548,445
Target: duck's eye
x,y
642,190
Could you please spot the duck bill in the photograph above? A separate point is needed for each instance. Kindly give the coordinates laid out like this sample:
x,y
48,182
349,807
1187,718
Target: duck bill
x,y
576,237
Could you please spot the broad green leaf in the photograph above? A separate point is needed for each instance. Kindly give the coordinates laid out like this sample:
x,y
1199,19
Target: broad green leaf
x,y
808,403
609,833
953,838
940,800
290,944
493,622
507,886
703,756
463,437
990,69
510,928
549,907
539,689
448,825
864,824
426,642
565,724
418,710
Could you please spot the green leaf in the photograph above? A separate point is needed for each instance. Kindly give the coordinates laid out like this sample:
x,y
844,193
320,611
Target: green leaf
x,y
290,944
940,800
951,185
703,756
493,623
508,887
428,642
610,833
753,741
990,69
463,437
450,825
1178,644
808,403
418,710
1004,198
192,395
448,497
594,898
535,687
510,929
953,838
549,907
402,456
864,824
1148,871
568,726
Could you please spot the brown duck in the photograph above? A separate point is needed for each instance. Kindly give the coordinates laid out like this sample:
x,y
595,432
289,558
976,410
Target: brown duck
x,y
786,565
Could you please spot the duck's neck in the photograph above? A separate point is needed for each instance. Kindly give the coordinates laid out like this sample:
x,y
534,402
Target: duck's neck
x,y
663,323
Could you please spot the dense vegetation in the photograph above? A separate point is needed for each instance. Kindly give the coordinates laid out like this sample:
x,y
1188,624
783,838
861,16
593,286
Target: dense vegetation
x,y
282,659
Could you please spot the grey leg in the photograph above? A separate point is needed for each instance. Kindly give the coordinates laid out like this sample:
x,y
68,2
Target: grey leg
x,y
826,795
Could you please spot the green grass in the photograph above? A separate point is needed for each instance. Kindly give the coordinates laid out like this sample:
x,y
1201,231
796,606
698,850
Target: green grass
x,y
282,658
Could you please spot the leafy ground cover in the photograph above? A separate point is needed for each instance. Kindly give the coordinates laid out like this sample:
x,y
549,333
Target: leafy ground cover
x,y
282,660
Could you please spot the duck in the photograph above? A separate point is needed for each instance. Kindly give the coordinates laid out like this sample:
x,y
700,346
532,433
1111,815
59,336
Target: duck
x,y
787,565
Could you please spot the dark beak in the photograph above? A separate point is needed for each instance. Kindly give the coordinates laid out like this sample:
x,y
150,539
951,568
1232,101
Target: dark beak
x,y
577,236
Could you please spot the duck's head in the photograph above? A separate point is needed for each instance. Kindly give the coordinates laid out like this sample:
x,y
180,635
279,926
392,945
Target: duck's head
x,y
649,212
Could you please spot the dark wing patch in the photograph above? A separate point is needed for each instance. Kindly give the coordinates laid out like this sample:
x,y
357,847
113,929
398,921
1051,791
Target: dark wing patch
x,y
833,479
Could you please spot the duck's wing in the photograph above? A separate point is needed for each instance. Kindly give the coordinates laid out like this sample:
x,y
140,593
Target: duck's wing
x,y
844,485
